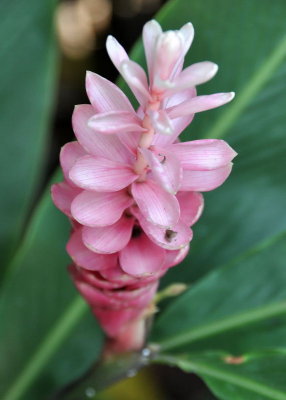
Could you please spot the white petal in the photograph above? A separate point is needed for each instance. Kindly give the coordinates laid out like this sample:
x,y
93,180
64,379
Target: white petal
x,y
187,31
151,32
115,122
161,122
136,79
97,144
104,95
199,104
115,51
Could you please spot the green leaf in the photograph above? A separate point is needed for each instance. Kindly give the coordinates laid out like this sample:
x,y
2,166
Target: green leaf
x,y
39,308
28,61
246,296
250,50
256,378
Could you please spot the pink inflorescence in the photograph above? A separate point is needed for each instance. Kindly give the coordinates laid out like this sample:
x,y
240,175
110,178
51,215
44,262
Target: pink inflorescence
x,y
131,189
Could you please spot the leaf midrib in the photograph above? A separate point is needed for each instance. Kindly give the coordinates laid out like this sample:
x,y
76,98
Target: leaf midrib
x,y
225,376
47,348
248,317
225,324
251,89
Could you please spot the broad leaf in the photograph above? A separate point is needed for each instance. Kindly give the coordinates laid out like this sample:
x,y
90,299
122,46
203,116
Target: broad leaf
x,y
239,296
28,60
39,308
244,212
235,313
258,377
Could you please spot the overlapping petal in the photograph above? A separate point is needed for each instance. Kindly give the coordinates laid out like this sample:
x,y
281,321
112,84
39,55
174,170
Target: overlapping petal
x,y
141,256
203,154
63,195
136,79
204,181
69,155
115,122
101,174
94,278
194,75
97,144
85,258
108,239
158,206
191,206
166,168
199,104
175,257
168,54
104,95
100,208
172,238
161,122
178,124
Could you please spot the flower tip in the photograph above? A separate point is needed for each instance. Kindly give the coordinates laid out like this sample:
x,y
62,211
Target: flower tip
x,y
214,69
227,97
152,23
88,75
231,95
189,26
208,69
188,32
110,39
234,153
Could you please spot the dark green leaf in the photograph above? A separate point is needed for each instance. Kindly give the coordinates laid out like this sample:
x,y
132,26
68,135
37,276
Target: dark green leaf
x,y
250,50
28,60
255,378
39,308
235,309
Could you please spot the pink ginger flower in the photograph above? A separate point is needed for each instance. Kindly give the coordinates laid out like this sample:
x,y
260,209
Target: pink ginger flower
x,y
131,189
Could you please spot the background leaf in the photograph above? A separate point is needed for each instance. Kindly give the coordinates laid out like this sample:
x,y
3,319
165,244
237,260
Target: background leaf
x,y
236,313
28,61
247,211
257,378
39,308
213,314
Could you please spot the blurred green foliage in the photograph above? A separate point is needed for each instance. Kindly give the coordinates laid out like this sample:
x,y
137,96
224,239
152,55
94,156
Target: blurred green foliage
x,y
46,335
28,73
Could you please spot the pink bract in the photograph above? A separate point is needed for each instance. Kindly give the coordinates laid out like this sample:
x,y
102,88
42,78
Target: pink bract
x,y
131,189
